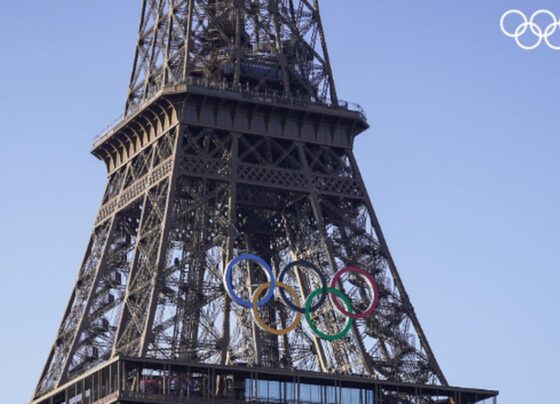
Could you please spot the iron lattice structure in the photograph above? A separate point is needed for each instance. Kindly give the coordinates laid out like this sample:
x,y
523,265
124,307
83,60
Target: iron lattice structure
x,y
233,141
271,45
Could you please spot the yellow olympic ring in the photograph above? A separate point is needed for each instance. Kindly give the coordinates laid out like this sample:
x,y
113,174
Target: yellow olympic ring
x,y
261,323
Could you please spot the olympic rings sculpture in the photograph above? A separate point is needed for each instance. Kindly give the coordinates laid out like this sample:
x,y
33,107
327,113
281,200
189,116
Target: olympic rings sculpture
x,y
289,297
536,30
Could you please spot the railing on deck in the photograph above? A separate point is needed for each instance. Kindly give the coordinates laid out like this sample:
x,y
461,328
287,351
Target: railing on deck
x,y
245,90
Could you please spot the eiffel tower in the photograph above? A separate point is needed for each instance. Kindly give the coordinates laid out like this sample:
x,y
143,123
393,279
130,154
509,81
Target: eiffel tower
x,y
234,142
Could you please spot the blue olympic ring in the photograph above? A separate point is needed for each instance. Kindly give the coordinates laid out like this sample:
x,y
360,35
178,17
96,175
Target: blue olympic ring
x,y
228,280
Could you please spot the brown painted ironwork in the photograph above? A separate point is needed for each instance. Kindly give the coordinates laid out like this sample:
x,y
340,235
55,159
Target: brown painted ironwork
x,y
233,140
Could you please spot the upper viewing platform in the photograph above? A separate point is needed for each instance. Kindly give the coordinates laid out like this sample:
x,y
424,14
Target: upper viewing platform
x,y
202,86
247,61
259,66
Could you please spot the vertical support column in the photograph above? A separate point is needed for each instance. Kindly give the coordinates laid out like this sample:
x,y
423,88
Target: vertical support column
x,y
153,46
135,64
238,51
169,39
327,65
394,272
162,250
321,357
231,234
187,33
92,253
124,315
228,256
257,341
314,197
121,375
279,52
85,314
124,338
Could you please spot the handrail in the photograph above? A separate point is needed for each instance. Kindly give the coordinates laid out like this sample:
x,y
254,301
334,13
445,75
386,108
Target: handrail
x,y
245,90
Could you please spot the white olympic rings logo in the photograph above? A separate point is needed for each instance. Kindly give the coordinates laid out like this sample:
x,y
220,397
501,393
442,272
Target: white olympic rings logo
x,y
536,30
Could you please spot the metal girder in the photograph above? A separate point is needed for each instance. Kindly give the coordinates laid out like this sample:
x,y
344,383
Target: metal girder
x,y
276,45
187,193
156,287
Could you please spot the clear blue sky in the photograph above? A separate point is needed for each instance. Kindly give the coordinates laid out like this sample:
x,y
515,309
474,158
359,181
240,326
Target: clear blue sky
x,y
461,162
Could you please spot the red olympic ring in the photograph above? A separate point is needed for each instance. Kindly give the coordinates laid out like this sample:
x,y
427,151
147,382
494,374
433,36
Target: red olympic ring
x,y
367,276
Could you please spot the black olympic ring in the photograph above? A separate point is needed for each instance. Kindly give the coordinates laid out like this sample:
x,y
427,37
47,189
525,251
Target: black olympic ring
x,y
324,285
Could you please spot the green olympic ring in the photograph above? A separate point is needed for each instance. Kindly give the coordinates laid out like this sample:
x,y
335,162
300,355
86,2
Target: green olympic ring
x,y
314,328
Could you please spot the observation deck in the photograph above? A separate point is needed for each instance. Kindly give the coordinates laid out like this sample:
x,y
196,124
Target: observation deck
x,y
133,380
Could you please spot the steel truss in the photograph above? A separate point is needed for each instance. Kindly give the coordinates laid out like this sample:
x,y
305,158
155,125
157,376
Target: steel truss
x,y
276,45
200,173
190,201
